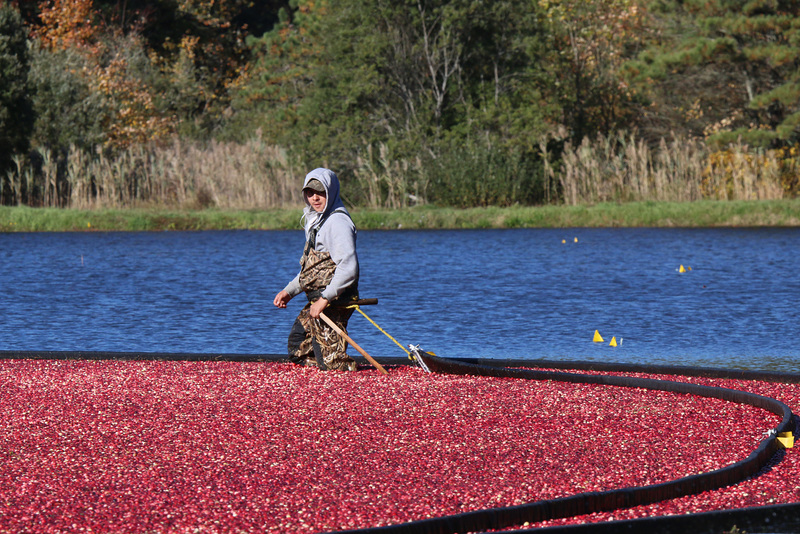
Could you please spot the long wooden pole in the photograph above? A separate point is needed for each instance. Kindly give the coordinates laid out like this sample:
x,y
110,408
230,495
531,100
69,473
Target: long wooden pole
x,y
342,333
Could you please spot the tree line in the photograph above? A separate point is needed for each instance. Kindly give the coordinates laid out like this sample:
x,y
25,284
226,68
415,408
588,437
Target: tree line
x,y
453,102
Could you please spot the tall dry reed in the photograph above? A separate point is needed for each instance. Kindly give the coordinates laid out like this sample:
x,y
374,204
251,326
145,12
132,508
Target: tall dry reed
x,y
740,173
621,168
388,182
181,175
256,175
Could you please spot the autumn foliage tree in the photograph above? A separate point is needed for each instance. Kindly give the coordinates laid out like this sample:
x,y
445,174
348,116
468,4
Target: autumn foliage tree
x,y
198,48
588,44
67,23
161,67
128,114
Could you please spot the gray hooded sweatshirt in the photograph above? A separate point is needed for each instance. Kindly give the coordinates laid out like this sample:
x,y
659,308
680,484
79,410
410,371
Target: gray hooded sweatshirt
x,y
337,237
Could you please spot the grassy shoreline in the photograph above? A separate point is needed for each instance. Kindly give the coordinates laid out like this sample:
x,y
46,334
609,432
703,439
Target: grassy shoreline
x,y
780,213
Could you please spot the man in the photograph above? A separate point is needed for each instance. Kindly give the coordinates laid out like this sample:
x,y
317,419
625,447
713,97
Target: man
x,y
328,276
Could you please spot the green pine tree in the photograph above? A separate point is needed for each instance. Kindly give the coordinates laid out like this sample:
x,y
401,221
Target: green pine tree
x,y
724,70
16,110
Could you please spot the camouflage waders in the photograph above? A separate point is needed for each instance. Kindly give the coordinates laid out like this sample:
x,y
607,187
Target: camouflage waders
x,y
312,341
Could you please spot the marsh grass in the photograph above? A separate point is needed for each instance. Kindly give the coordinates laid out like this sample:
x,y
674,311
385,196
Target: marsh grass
x,y
187,175
624,169
616,168
181,175
704,213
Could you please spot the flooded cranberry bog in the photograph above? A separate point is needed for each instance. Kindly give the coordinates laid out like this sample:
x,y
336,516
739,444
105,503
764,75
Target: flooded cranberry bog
x,y
132,442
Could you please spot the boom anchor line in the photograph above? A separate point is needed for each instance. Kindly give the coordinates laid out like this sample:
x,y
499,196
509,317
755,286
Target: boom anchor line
x,y
413,351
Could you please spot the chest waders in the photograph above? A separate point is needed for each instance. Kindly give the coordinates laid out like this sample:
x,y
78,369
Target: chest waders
x,y
312,342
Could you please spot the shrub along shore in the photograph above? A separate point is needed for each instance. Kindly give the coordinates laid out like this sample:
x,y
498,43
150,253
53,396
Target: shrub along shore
x,y
633,214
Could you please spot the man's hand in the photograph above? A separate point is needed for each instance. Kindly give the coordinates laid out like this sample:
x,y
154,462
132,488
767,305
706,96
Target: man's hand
x,y
281,299
318,307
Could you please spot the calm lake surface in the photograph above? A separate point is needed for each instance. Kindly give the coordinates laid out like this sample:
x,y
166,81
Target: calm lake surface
x,y
528,293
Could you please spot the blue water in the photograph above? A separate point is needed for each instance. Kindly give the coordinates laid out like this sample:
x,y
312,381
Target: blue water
x,y
527,293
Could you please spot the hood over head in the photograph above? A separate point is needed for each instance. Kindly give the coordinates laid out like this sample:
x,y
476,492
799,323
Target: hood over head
x,y
330,181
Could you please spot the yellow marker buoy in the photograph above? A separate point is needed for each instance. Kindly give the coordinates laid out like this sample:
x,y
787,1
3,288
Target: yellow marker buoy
x,y
563,241
613,342
576,239
597,337
681,270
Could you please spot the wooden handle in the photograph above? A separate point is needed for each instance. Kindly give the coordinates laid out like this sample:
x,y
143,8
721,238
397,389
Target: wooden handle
x,y
341,332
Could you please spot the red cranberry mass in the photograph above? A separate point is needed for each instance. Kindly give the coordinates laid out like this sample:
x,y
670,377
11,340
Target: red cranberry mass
x,y
174,447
